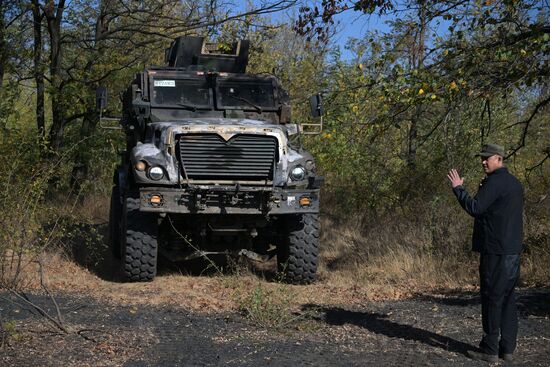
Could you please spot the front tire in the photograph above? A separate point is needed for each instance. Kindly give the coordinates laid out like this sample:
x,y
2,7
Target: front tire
x,y
298,251
139,239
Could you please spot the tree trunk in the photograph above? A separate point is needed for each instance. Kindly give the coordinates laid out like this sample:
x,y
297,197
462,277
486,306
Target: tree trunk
x,y
54,15
89,123
412,138
82,160
58,123
417,63
3,45
38,67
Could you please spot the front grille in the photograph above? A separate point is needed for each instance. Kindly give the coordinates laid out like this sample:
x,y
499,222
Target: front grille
x,y
243,157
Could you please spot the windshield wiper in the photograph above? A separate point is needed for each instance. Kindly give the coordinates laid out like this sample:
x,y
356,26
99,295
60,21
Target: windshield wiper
x,y
258,108
187,107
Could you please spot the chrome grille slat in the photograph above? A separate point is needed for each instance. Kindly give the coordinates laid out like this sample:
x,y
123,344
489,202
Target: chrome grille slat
x,y
208,156
230,166
228,151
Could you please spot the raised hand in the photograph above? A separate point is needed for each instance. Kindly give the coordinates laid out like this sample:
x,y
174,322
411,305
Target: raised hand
x,y
455,178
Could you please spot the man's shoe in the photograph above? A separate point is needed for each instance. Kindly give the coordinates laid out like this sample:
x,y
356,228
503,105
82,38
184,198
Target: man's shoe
x,y
508,357
482,356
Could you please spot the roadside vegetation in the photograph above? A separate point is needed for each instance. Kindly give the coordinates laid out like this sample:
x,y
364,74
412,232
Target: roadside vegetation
x,y
407,106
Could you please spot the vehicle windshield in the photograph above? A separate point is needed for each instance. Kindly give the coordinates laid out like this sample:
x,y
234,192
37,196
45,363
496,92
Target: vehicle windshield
x,y
245,95
181,92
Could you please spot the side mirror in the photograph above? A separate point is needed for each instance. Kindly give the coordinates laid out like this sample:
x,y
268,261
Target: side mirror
x,y
316,104
101,104
317,110
101,98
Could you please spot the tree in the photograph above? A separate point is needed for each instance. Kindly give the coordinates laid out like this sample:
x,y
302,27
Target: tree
x,y
11,44
414,101
37,17
490,48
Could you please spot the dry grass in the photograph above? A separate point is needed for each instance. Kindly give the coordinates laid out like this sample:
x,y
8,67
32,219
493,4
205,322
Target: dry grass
x,y
393,259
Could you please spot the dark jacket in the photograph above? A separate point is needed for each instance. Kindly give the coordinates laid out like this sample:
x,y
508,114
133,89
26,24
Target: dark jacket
x,y
498,212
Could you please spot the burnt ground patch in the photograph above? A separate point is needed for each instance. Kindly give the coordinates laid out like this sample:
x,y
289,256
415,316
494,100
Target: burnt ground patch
x,y
428,330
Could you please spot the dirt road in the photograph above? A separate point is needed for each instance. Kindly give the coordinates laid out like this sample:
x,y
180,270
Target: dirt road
x,y
428,330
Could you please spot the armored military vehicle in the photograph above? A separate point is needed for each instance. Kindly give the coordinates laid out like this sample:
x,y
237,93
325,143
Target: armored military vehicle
x,y
213,165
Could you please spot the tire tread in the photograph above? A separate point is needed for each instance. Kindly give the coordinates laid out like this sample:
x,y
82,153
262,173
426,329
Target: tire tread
x,y
299,253
139,262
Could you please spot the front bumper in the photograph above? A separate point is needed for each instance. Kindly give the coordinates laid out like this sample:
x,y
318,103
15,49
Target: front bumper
x,y
229,200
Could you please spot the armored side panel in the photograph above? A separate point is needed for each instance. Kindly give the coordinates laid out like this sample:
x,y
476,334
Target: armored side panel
x,y
188,51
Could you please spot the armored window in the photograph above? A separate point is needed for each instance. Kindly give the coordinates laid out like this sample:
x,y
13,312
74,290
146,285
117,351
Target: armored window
x,y
245,95
181,92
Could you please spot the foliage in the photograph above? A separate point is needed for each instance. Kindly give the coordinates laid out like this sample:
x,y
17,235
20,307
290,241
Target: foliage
x,y
22,189
269,307
8,333
31,197
410,105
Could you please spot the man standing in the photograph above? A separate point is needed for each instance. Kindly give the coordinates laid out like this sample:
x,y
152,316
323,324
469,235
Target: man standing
x,y
498,231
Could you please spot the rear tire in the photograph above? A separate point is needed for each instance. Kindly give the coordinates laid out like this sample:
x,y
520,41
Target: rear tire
x,y
298,251
140,246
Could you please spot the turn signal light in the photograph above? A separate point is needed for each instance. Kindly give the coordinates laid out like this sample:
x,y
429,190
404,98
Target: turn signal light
x,y
155,200
305,201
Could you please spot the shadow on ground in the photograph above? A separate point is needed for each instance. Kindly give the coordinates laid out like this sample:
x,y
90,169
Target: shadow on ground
x,y
530,302
379,324
88,245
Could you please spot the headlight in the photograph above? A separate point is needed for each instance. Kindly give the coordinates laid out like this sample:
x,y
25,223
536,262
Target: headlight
x,y
155,173
298,173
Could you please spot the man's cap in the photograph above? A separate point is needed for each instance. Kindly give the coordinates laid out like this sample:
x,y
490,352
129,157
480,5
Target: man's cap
x,y
488,150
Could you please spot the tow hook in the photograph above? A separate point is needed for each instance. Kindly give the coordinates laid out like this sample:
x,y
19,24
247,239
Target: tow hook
x,y
199,202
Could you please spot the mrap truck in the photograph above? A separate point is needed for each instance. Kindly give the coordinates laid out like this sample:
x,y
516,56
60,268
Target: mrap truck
x,y
213,165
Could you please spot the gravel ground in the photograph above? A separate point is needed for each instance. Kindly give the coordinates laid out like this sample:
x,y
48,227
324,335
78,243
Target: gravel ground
x,y
429,330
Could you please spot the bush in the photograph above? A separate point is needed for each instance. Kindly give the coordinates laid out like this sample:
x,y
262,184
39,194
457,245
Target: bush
x,y
32,193
269,307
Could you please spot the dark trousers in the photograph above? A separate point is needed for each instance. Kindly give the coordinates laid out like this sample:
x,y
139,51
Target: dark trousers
x,y
498,277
